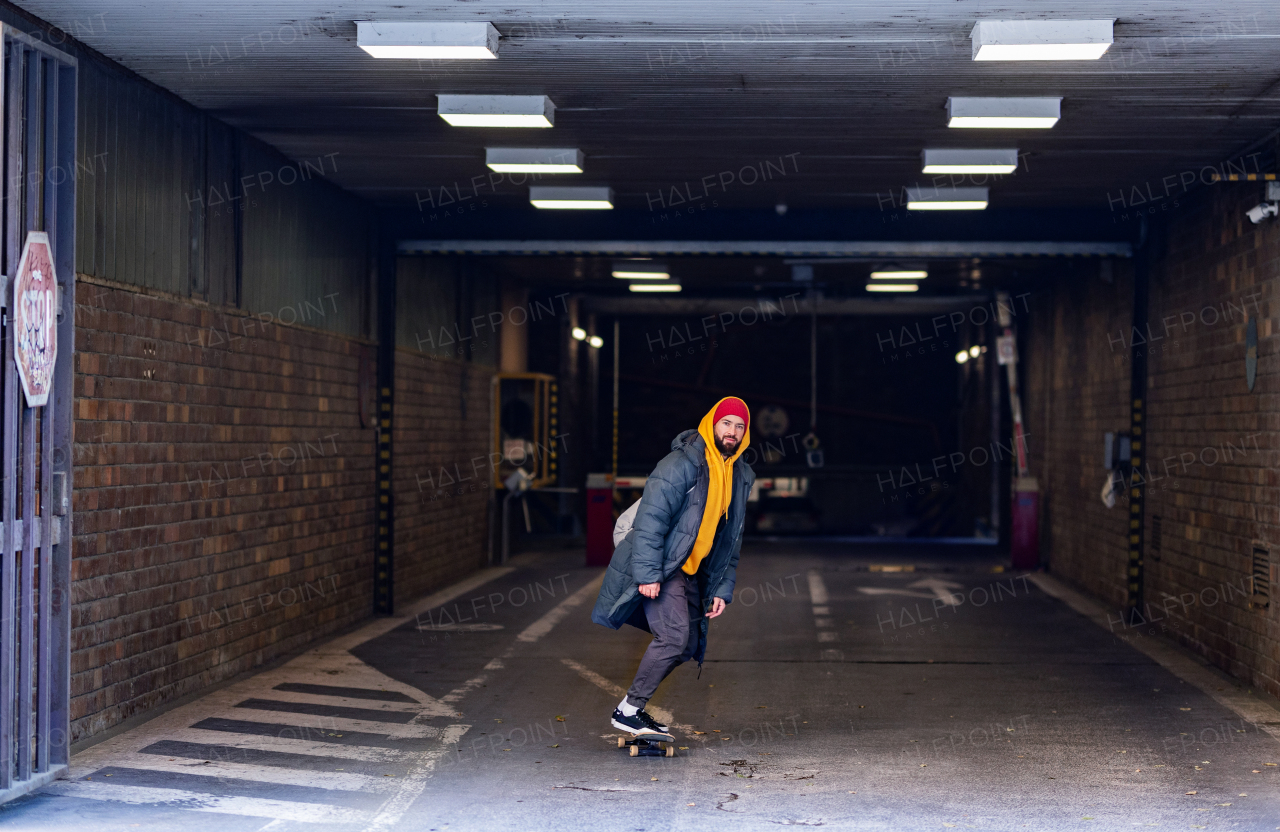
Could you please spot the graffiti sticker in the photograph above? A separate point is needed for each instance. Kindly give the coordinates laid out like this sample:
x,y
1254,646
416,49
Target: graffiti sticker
x,y
35,314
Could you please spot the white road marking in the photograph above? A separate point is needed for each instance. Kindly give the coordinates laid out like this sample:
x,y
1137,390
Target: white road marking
x,y
415,782
253,742
340,701
197,802
828,635
661,714
333,724
454,696
826,623
340,780
480,627
817,589
543,625
822,610
881,590
941,589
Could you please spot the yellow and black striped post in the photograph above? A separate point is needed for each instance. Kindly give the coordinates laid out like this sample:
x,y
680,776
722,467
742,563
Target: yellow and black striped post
x,y
1137,428
384,538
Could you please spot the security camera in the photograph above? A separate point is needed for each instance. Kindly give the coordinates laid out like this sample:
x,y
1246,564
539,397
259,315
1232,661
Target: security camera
x,y
1262,210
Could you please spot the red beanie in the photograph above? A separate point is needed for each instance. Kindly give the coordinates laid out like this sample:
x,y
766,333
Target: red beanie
x,y
732,407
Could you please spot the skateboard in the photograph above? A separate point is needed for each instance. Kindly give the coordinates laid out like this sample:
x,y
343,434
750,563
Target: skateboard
x,y
650,745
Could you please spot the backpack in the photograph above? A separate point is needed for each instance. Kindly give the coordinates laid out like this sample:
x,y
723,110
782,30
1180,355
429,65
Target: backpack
x,y
628,518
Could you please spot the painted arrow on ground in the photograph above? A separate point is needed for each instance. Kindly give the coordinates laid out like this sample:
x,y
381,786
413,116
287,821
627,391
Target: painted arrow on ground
x,y
878,590
941,589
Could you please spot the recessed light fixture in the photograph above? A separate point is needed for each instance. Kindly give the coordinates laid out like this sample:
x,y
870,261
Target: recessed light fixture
x,y
905,274
962,357
640,270
938,160
893,287
588,198
1041,40
946,199
596,341
578,333
427,40
496,110
975,351
1038,113
533,159
654,287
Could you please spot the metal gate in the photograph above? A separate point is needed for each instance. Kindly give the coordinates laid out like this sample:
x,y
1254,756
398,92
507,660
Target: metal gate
x,y
39,138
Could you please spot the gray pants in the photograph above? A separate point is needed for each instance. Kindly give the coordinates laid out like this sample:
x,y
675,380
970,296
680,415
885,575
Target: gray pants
x,y
674,619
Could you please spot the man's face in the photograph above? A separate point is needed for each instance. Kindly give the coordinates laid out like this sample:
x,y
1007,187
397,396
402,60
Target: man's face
x,y
729,432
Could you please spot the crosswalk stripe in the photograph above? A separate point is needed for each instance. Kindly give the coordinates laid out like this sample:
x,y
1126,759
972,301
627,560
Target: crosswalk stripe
x,y
363,694
370,754
335,724
346,702
198,802
341,780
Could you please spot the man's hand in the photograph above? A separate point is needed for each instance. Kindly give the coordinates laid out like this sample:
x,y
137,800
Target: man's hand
x,y
649,590
717,607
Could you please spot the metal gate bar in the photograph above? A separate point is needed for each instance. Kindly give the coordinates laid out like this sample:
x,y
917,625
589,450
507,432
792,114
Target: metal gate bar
x,y
39,94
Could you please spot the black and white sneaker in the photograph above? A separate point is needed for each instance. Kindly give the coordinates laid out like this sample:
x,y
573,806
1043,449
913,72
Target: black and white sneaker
x,y
652,723
638,725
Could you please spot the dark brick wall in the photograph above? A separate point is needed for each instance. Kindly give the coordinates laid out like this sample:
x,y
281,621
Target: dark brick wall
x,y
1211,445
223,497
441,475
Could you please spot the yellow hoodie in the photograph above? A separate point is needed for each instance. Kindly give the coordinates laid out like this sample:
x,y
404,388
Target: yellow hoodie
x,y
719,489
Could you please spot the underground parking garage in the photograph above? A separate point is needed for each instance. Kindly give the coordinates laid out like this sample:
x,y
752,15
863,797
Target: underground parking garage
x,y
472,417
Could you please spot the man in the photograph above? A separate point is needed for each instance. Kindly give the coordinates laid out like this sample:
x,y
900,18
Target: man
x,y
676,568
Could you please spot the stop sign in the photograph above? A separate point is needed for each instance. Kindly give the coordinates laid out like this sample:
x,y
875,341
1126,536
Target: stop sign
x,y
35,318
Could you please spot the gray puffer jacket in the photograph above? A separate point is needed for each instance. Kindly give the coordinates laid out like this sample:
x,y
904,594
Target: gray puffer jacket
x,y
663,535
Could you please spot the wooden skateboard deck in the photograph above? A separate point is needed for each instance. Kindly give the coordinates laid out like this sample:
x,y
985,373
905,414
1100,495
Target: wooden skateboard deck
x,y
649,745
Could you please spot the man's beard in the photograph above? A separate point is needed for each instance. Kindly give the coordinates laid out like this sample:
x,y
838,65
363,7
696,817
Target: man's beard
x,y
720,446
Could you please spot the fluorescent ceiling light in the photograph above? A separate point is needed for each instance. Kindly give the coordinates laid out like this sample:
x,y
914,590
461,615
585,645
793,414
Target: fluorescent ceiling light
x,y
906,274
427,40
1040,40
970,161
496,110
1037,113
533,159
946,199
654,287
624,274
581,198
893,287
632,270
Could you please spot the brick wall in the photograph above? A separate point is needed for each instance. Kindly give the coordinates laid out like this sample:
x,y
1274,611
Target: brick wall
x,y
223,497
1211,452
441,475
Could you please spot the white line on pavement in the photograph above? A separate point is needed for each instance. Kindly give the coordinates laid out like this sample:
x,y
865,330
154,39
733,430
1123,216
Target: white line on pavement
x,y
543,625
335,724
254,742
341,780
198,802
661,714
817,589
415,782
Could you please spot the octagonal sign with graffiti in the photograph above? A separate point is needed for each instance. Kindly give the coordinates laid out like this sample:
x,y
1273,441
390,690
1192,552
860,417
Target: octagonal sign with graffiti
x,y
35,318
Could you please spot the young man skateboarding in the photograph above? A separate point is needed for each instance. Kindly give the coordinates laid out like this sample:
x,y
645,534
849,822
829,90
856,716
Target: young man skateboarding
x,y
675,569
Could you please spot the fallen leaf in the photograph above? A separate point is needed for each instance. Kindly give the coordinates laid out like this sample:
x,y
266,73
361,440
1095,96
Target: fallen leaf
x,y
699,732
691,804
949,825
715,730
1224,804
726,739
852,792
1242,794
557,745
924,765
1184,709
1257,771
1269,764
684,748
1086,817
758,707
653,778
559,718
1190,792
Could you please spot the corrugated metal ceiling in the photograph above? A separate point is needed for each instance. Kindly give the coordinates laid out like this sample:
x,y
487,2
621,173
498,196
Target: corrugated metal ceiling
x,y
843,95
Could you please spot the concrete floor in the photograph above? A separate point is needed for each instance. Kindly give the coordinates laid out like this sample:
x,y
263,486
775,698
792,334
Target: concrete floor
x,y
834,694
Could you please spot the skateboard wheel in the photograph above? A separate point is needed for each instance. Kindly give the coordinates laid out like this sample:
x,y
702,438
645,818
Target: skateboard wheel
x,y
622,741
671,750
635,751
